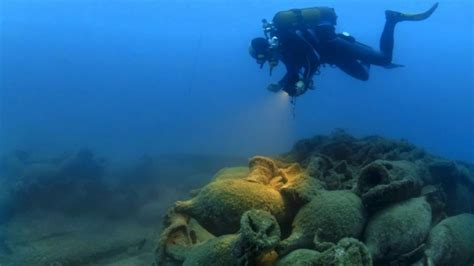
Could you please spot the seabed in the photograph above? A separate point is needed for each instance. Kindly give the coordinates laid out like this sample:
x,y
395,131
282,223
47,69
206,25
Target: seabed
x,y
331,200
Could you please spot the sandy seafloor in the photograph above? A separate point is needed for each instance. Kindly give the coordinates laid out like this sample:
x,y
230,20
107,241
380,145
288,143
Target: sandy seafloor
x,y
108,235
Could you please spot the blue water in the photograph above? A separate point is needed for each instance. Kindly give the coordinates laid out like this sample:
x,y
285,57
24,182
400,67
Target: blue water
x,y
130,77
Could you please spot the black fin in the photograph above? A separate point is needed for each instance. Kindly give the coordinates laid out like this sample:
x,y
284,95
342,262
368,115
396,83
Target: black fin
x,y
398,16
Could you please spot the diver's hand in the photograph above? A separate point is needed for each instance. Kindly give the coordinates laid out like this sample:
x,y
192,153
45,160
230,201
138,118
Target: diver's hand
x,y
274,87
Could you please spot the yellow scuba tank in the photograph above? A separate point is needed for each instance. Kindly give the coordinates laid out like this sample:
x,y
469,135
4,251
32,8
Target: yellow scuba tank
x,y
295,19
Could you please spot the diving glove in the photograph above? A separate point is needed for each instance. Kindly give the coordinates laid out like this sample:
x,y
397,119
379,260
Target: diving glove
x,y
274,87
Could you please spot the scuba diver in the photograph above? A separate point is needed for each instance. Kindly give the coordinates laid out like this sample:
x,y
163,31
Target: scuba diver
x,y
305,39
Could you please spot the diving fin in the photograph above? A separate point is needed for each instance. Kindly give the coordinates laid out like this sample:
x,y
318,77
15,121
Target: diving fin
x,y
395,16
392,66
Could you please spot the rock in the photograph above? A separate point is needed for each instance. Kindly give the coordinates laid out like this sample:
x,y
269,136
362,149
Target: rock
x,y
75,179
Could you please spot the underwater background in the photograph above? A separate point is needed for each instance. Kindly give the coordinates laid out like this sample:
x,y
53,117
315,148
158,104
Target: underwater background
x,y
128,77
110,111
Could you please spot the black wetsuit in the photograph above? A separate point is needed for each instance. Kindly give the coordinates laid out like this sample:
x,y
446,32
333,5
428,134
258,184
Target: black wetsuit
x,y
316,26
352,57
300,58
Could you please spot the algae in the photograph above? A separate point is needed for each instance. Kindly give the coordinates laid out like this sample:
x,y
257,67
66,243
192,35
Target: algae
x,y
451,242
398,229
258,235
337,200
330,216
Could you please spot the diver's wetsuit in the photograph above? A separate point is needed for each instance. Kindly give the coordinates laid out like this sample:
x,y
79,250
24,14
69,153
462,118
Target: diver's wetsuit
x,y
355,58
297,54
296,50
345,52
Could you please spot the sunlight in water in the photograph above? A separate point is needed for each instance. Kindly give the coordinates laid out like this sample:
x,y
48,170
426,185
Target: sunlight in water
x,y
284,97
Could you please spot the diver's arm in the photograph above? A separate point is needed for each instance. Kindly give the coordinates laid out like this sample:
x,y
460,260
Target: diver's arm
x,y
311,63
287,82
311,38
291,58
291,76
311,66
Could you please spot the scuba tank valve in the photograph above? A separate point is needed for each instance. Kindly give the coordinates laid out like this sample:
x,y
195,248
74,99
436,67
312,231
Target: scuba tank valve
x,y
268,28
274,44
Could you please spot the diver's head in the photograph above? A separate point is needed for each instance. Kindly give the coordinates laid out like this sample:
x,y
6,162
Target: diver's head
x,y
260,50
264,50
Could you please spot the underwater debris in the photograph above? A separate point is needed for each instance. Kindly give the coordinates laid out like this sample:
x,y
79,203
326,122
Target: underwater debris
x,y
383,182
347,252
329,217
398,229
340,146
300,188
219,205
180,235
457,182
341,200
451,242
258,235
299,257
